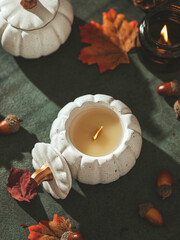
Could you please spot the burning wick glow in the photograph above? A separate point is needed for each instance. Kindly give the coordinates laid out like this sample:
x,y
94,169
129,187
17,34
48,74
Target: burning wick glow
x,y
97,133
164,33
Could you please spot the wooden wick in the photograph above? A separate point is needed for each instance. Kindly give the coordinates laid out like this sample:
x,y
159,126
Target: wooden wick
x,y
97,133
28,4
42,174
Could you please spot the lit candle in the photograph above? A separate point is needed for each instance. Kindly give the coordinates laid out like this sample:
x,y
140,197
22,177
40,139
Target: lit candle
x,y
160,39
164,33
96,131
164,39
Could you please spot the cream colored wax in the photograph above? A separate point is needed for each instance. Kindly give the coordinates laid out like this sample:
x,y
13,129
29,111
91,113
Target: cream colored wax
x,y
84,126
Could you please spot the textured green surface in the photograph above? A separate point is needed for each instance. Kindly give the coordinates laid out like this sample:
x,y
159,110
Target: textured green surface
x,y
36,90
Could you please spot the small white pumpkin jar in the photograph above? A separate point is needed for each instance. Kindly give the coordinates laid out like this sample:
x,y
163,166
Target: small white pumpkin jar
x,y
89,169
35,32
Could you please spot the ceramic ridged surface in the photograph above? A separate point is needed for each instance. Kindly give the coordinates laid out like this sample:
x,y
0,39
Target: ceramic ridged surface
x,y
36,35
105,169
65,10
37,17
3,24
60,186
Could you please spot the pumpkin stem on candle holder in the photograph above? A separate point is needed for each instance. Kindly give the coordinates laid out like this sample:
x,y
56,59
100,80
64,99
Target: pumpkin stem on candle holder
x,y
97,133
42,174
28,4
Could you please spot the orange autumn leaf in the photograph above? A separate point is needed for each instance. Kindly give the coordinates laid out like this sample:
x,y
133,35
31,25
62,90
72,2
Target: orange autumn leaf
x,y
110,42
53,230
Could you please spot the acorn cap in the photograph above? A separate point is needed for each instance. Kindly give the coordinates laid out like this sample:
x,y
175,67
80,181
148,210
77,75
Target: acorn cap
x,y
177,108
144,208
65,235
164,191
13,123
175,88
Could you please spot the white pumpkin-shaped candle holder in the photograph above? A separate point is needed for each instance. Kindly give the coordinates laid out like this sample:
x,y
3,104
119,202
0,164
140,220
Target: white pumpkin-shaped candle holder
x,y
90,161
34,32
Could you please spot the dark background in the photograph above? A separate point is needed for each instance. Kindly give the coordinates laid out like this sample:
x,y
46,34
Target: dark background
x,y
36,90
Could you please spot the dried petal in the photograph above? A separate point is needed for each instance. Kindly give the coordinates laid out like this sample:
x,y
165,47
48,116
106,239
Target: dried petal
x,y
20,185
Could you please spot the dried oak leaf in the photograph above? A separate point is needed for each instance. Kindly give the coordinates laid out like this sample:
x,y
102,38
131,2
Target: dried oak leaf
x,y
50,230
20,185
110,42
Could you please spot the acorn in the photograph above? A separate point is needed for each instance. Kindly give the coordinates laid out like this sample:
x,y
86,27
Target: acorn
x,y
169,89
72,236
177,109
147,211
10,124
75,236
164,184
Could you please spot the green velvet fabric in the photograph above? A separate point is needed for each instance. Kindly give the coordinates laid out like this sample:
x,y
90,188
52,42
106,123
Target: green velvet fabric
x,y
36,90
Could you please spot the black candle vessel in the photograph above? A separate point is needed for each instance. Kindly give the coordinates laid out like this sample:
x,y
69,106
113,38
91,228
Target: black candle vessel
x,y
154,45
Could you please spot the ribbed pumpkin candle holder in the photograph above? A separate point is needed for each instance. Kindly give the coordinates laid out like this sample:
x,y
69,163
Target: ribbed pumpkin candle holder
x,y
31,28
95,139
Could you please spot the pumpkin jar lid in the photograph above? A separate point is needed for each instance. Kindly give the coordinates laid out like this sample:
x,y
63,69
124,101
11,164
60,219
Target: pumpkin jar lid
x,y
60,186
35,18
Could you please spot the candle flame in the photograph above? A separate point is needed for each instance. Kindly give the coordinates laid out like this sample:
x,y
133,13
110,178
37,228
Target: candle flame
x,y
97,133
164,33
